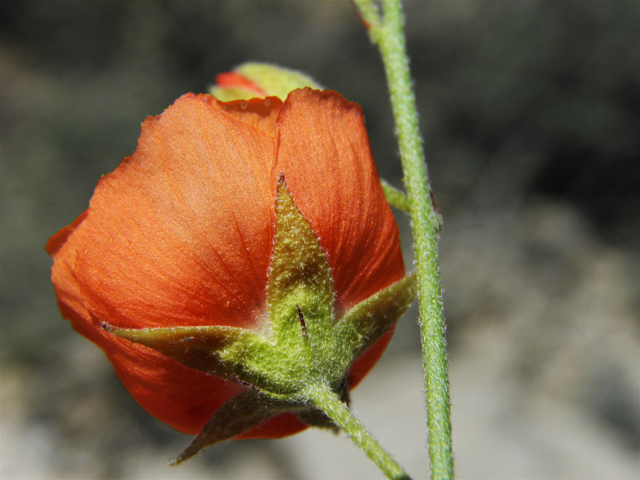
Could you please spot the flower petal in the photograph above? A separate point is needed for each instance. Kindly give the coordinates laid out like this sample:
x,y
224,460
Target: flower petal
x,y
179,234
368,359
323,149
179,396
56,241
260,113
193,209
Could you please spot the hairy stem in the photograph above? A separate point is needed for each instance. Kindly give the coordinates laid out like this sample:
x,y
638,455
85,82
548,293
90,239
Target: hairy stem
x,y
323,398
388,33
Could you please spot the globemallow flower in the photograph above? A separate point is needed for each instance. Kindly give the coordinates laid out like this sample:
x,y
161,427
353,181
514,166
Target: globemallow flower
x,y
243,256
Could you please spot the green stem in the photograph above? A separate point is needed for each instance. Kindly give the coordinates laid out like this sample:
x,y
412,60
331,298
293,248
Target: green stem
x,y
395,197
323,398
388,34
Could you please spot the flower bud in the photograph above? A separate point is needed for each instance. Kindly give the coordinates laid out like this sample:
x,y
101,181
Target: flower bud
x,y
253,79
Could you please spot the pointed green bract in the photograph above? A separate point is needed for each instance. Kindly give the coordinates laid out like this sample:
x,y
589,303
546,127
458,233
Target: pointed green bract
x,y
300,291
240,413
365,323
200,348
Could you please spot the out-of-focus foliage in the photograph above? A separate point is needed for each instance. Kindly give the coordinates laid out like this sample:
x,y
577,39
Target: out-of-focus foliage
x,y
556,81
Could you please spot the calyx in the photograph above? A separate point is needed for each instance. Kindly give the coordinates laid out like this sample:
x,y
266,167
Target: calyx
x,y
305,345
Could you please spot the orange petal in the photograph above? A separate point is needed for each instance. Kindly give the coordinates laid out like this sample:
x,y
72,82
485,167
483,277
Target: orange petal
x,y
261,113
180,233
56,241
323,149
179,396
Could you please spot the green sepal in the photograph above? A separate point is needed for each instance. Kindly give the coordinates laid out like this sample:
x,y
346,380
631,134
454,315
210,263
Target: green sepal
x,y
368,321
201,348
237,415
299,344
245,411
300,290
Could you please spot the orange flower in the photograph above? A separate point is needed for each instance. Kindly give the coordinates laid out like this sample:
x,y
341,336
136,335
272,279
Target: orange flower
x,y
182,234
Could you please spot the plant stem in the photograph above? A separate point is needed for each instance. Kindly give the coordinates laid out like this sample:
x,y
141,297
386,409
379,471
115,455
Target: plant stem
x,y
388,34
395,197
323,398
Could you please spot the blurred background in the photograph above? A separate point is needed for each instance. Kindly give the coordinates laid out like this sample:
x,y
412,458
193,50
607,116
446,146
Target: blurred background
x,y
530,113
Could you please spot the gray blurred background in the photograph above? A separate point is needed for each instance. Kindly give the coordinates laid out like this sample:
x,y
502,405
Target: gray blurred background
x,y
530,112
